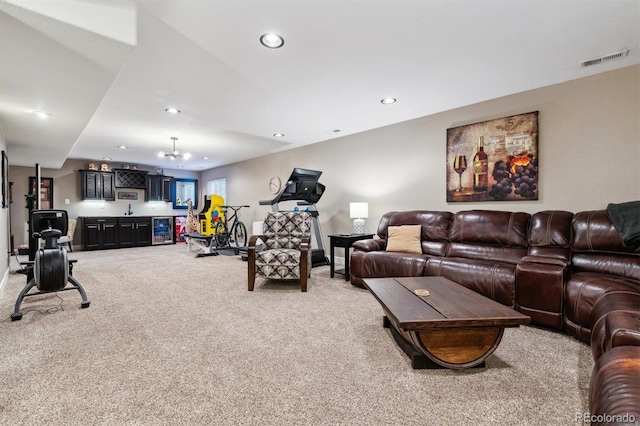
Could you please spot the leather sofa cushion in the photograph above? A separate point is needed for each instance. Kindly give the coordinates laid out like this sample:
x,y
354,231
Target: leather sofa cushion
x,y
613,264
551,228
490,227
503,254
615,389
622,301
593,231
491,279
550,234
489,235
435,228
582,290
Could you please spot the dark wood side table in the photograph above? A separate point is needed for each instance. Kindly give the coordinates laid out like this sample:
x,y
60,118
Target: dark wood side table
x,y
345,241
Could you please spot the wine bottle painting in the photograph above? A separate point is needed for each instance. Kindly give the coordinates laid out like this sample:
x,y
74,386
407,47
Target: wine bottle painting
x,y
494,160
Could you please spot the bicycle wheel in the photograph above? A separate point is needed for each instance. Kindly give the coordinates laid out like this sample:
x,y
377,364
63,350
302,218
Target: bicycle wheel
x,y
222,236
240,234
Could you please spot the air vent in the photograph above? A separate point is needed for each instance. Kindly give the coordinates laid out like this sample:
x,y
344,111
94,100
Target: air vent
x,y
606,58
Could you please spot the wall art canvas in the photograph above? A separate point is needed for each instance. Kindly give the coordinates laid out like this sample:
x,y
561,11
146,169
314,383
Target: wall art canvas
x,y
46,191
495,160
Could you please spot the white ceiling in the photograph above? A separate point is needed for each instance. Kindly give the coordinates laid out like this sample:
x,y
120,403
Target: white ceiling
x,y
106,70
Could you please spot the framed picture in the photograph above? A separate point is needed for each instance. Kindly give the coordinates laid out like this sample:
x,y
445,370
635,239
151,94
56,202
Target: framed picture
x,y
46,191
495,160
5,180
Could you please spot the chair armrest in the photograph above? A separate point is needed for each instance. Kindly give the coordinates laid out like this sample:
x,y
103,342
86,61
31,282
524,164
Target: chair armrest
x,y
254,239
306,244
544,260
369,245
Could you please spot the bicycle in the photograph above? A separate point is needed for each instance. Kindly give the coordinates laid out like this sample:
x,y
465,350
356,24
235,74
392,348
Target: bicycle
x,y
237,230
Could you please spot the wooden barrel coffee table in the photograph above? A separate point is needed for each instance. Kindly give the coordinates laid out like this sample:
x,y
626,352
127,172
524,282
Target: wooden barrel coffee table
x,y
449,324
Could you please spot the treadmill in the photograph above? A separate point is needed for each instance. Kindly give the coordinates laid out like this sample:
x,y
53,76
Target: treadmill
x,y
303,187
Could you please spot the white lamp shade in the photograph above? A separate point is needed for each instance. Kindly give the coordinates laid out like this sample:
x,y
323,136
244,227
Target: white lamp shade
x,y
358,210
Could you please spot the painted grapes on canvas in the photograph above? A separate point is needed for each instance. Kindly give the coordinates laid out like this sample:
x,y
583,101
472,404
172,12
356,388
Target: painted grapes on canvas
x,y
494,160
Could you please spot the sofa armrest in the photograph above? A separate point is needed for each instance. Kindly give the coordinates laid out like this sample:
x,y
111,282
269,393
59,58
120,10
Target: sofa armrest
x,y
540,284
622,329
544,260
369,245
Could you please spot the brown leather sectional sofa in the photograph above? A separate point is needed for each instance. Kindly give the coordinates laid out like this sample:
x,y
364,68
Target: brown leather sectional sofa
x,y
568,272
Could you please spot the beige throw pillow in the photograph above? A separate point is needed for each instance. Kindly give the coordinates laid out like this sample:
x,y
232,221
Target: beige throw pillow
x,y
405,238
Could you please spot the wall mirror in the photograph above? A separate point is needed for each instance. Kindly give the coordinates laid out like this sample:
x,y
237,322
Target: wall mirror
x,y
183,190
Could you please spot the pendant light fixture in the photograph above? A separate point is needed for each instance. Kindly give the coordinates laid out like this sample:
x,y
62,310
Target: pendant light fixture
x,y
173,155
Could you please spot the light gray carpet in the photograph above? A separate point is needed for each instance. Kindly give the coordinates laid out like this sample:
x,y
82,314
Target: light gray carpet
x,y
174,340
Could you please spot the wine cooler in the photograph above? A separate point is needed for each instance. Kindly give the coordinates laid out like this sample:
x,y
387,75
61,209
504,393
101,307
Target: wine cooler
x,y
162,230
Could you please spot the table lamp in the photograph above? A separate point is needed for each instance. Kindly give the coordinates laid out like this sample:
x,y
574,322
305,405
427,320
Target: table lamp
x,y
357,212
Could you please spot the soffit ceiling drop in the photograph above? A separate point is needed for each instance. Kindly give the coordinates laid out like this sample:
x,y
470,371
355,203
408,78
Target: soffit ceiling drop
x,y
108,81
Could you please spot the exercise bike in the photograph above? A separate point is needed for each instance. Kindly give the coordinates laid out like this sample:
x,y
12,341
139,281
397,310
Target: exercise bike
x,y
50,270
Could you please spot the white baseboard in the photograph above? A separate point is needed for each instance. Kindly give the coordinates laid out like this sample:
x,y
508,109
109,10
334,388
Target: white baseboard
x,y
5,280
338,260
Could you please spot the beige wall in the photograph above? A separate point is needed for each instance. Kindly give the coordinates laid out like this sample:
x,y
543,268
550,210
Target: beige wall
x,y
589,147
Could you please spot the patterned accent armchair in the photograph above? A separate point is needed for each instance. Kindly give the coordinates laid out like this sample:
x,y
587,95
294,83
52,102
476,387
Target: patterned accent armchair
x,y
285,254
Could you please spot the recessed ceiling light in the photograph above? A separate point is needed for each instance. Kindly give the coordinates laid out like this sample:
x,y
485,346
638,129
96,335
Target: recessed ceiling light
x,y
180,166
388,101
272,41
205,158
106,158
42,114
278,135
123,147
173,110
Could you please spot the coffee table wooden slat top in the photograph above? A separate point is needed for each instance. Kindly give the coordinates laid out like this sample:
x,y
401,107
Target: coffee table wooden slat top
x,y
449,305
